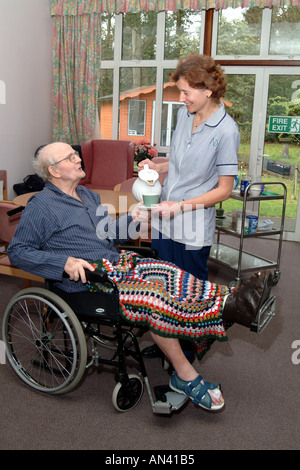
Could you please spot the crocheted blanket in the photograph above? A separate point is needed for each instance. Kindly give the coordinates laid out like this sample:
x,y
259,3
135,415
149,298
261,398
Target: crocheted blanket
x,y
170,301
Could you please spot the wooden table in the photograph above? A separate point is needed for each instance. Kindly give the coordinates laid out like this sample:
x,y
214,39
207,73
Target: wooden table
x,y
117,202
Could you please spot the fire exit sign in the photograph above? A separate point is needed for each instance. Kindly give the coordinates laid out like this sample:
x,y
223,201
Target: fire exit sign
x,y
286,124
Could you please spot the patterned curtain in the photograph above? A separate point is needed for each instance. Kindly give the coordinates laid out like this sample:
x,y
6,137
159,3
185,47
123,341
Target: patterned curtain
x,y
76,75
74,7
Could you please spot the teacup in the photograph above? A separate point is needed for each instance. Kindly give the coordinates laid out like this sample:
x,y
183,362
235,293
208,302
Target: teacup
x,y
255,190
150,199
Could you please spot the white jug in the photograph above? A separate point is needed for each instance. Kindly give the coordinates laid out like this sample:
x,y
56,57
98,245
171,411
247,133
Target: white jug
x,y
146,184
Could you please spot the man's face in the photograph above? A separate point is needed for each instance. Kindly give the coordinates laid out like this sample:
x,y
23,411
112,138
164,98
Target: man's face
x,y
66,163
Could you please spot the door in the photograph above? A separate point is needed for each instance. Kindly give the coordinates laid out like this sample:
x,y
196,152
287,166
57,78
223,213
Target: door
x,y
278,142
269,153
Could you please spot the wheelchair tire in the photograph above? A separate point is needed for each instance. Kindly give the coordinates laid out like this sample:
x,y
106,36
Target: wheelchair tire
x,y
126,396
44,341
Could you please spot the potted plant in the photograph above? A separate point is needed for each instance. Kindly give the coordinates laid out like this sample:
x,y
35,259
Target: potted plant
x,y
143,150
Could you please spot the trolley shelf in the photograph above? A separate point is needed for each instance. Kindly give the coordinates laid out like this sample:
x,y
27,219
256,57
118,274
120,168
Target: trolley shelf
x,y
225,225
237,260
229,256
262,197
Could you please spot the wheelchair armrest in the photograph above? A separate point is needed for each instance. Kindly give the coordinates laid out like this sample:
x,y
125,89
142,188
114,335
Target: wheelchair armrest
x,y
100,276
92,276
96,276
145,251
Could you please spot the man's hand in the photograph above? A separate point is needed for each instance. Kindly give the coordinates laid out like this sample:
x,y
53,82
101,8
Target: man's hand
x,y
139,214
74,267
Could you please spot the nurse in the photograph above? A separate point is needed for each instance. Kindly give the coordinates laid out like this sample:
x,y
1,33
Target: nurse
x,y
200,170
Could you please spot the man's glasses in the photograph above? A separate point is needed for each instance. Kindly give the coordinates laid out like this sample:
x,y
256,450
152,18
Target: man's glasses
x,y
73,157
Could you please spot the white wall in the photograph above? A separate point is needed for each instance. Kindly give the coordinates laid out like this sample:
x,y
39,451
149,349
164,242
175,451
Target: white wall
x,y
25,84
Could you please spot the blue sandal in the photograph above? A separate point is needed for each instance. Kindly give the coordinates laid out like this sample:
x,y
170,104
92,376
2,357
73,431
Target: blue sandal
x,y
196,391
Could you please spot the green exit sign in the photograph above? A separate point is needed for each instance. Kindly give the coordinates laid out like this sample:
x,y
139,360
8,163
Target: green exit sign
x,y
286,124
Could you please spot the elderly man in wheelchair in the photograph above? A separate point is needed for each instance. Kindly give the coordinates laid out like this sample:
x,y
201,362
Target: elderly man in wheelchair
x,y
59,238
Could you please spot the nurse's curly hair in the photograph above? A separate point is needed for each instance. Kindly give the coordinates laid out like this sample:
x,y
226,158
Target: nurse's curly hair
x,y
201,71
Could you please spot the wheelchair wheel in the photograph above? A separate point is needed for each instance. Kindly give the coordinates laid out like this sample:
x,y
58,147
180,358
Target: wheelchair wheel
x,y
44,341
126,396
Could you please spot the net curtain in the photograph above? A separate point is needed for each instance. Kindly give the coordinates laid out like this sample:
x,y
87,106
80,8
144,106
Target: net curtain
x,y
76,54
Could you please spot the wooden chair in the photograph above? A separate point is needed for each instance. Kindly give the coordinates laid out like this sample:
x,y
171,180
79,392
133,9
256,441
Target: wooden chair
x,y
125,185
8,226
3,177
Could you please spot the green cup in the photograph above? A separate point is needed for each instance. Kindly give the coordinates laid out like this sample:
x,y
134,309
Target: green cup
x,y
150,199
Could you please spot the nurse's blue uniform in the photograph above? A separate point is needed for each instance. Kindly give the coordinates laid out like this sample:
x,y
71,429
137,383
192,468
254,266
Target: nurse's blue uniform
x,y
197,159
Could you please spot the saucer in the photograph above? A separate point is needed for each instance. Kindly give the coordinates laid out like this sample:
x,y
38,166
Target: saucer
x,y
142,206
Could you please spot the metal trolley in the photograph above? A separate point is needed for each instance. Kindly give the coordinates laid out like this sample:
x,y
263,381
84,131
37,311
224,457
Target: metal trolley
x,y
237,260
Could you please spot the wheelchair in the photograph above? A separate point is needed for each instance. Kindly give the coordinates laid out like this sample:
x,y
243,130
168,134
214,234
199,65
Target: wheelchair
x,y
50,343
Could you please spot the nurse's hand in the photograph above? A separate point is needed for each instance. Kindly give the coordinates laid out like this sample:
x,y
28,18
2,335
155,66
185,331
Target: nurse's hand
x,y
152,166
167,209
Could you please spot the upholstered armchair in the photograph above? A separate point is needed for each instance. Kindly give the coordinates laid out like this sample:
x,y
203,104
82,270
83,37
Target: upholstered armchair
x,y
3,178
107,162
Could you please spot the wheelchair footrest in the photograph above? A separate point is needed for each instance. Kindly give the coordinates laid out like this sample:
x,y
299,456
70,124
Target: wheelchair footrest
x,y
264,316
167,400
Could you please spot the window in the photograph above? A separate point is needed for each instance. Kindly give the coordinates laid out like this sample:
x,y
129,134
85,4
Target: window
x,y
182,33
107,36
136,117
285,31
257,33
140,49
239,31
105,101
137,49
139,36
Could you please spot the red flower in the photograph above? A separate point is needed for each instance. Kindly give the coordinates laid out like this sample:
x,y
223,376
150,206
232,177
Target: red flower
x,y
143,150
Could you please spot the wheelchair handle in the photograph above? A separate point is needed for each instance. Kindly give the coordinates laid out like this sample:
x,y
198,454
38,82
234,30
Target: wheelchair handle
x,y
15,211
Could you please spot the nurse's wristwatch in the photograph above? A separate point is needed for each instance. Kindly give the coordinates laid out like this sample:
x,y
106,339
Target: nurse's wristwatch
x,y
181,206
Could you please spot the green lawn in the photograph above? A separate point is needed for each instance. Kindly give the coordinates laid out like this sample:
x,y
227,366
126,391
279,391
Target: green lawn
x,y
273,208
274,151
